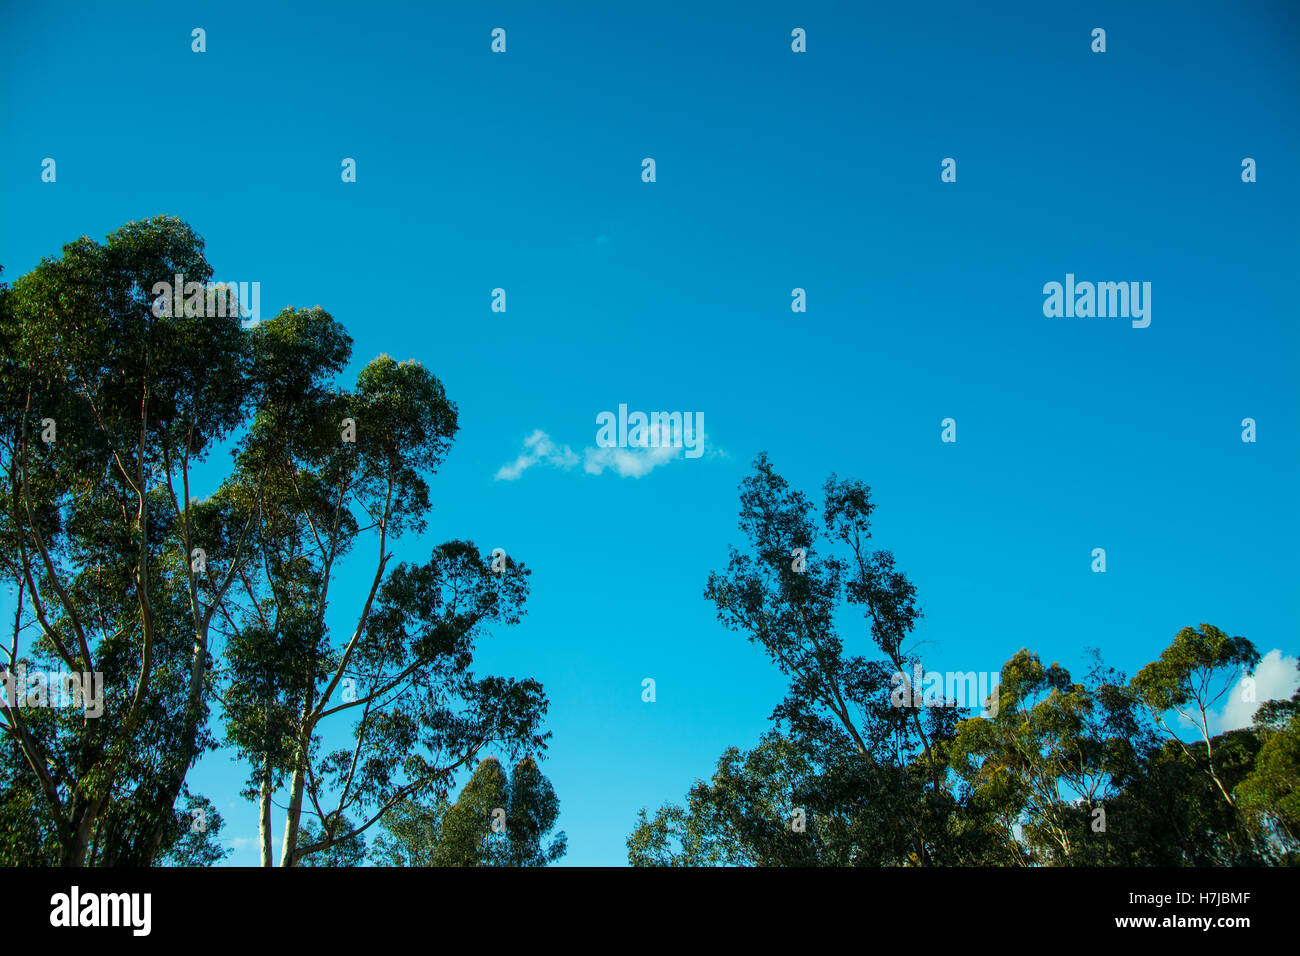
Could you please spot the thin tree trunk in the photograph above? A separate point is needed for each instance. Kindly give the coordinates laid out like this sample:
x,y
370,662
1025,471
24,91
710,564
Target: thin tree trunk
x,y
264,817
180,762
294,812
74,853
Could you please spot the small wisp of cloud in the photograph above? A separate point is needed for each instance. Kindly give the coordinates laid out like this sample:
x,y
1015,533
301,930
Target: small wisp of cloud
x,y
629,445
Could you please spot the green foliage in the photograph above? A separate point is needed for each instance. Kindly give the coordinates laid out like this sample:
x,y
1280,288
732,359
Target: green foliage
x,y
93,540
403,674
739,818
1054,751
1061,772
837,709
498,820
1270,793
1190,677
193,840
1172,814
350,851
119,569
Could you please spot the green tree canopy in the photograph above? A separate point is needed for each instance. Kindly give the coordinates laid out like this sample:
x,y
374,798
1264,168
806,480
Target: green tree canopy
x,y
498,820
109,399
1058,772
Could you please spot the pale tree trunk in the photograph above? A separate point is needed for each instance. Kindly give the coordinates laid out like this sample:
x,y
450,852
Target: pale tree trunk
x,y
264,817
74,853
294,812
301,758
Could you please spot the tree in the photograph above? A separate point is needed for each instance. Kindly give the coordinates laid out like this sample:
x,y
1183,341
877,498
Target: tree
x,y
106,406
1270,793
498,820
346,852
745,816
867,774
1084,774
328,469
1047,762
1059,772
1173,814
1190,677
111,394
532,809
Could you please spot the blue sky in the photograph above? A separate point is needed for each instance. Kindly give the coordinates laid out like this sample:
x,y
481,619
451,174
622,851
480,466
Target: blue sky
x,y
775,170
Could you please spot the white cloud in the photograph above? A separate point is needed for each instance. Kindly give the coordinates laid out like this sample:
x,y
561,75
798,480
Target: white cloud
x,y
538,449
629,462
1275,678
